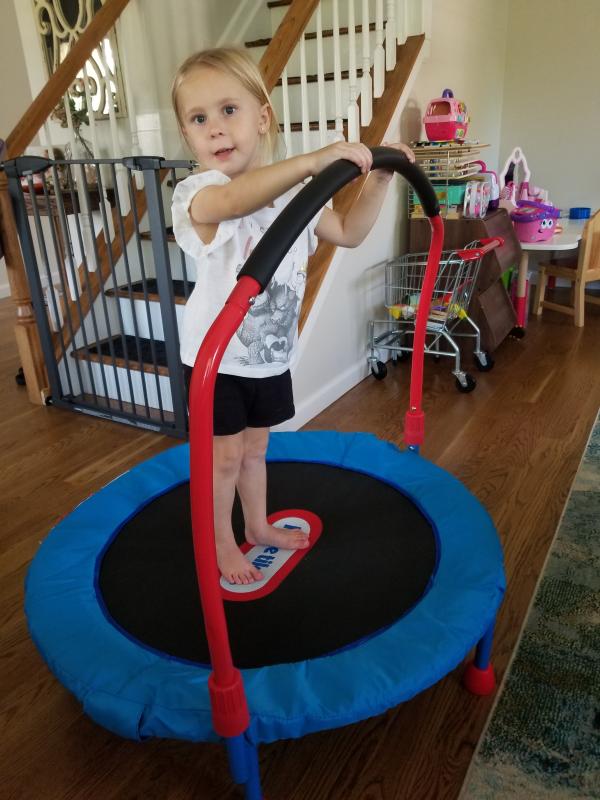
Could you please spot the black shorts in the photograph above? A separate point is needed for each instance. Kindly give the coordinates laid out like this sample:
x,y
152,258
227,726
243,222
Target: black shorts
x,y
249,402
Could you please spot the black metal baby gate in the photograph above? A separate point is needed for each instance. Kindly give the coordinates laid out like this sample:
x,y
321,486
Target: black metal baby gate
x,y
108,284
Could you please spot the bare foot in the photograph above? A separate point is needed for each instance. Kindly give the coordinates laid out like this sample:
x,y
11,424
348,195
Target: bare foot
x,y
278,537
234,566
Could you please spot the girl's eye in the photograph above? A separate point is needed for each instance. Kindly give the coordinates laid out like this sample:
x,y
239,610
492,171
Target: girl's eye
x,y
199,119
229,110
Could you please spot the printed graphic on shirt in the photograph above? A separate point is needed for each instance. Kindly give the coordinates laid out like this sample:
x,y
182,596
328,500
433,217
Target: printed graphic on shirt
x,y
269,327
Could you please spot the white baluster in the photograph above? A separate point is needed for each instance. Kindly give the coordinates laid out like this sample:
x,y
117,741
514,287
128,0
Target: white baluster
x,y
114,130
379,53
72,140
366,87
122,174
390,36
353,120
46,139
90,113
304,98
337,71
321,81
402,22
287,130
86,229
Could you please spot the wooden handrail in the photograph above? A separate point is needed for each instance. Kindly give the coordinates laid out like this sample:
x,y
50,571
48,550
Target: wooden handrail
x,y
43,105
285,39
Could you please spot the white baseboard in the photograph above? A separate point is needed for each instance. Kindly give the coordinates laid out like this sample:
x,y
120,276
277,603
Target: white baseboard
x,y
310,406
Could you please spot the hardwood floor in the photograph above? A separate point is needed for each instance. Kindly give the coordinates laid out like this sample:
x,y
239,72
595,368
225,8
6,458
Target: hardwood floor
x,y
515,442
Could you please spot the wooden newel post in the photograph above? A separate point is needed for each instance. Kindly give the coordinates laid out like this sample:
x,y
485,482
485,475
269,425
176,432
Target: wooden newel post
x,y
26,333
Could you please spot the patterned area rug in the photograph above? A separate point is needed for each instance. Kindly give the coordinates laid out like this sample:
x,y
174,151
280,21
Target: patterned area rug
x,y
543,742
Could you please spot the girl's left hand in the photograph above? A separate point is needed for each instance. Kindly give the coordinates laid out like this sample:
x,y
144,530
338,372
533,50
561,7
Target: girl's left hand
x,y
387,174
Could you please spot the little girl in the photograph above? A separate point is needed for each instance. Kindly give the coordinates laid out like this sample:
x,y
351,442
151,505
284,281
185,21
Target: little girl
x,y
219,215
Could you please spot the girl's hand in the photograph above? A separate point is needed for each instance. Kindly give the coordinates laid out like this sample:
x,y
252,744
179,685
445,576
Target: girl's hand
x,y
387,174
358,154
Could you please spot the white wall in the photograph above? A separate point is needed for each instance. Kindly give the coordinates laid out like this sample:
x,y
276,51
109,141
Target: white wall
x,y
467,55
15,95
551,104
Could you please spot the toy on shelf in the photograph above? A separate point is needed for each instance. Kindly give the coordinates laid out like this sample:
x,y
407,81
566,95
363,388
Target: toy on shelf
x,y
477,199
534,221
446,118
442,161
449,165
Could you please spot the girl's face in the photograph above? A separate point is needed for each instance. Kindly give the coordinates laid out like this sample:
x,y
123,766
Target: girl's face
x,y
222,122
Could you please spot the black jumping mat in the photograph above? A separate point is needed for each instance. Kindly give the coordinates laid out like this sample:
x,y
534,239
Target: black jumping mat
x,y
376,557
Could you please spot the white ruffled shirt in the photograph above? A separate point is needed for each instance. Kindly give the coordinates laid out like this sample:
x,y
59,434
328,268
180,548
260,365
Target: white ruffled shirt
x,y
265,343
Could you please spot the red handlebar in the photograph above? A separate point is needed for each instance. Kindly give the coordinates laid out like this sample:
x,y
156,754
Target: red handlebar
x,y
478,252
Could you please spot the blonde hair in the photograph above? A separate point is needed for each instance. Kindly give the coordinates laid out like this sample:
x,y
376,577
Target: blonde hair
x,y
236,62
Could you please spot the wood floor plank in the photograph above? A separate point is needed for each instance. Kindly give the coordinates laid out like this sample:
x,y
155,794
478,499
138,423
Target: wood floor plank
x,y
515,442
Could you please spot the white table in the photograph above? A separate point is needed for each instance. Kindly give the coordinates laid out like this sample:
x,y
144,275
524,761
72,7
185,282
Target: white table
x,y
568,239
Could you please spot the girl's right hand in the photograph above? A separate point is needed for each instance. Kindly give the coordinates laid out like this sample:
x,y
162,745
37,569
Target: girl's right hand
x,y
357,153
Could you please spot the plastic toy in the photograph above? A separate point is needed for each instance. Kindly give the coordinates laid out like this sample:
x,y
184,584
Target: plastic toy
x,y
581,212
477,198
446,119
533,221
490,178
511,189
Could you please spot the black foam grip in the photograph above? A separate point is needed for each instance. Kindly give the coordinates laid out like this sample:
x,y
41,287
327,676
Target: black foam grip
x,y
268,253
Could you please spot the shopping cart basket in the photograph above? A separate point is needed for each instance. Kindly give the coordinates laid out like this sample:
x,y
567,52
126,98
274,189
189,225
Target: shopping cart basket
x,y
454,284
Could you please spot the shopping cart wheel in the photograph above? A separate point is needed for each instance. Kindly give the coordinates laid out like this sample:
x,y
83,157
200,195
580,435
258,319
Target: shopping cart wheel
x,y
483,361
400,355
465,383
378,370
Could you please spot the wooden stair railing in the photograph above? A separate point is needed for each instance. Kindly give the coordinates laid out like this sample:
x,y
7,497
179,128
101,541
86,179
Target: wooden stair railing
x,y
383,111
272,64
282,45
26,334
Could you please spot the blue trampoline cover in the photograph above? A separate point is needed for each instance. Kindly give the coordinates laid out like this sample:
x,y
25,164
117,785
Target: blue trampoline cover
x,y
139,693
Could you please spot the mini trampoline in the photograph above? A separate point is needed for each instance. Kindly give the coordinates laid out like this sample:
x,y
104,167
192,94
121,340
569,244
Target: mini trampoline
x,y
403,578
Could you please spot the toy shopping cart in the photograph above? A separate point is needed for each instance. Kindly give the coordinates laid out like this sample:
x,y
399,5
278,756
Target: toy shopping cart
x,y
454,284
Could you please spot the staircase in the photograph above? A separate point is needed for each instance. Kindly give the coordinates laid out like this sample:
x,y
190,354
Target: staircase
x,y
108,283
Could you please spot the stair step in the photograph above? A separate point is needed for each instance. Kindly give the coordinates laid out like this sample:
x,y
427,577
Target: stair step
x,y
124,347
295,80
153,414
326,34
148,236
137,291
278,3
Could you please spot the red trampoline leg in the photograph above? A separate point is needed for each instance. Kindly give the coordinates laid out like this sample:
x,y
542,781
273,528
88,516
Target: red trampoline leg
x,y
479,676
